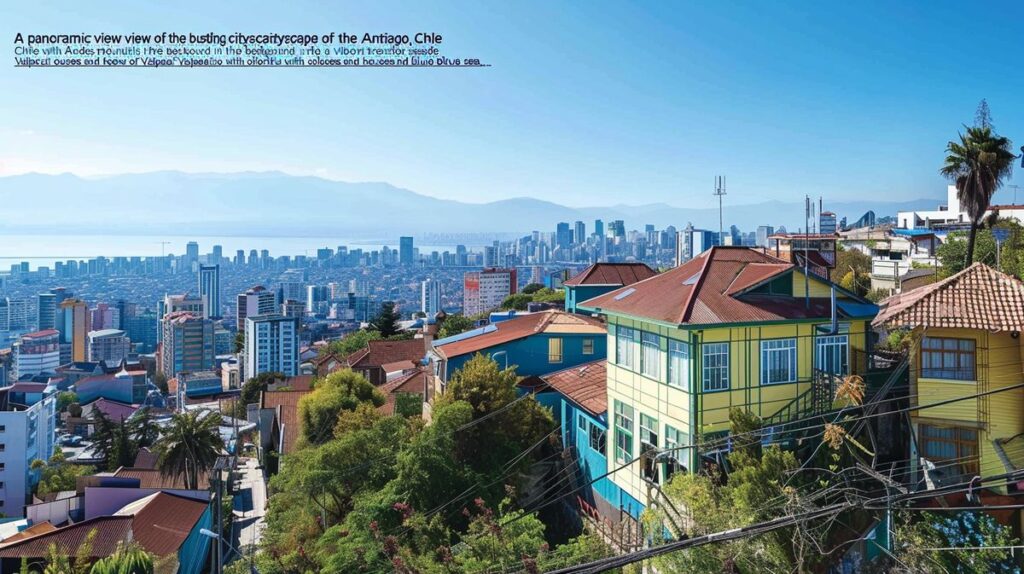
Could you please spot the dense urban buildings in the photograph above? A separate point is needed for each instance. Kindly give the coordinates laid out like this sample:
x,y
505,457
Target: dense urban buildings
x,y
187,344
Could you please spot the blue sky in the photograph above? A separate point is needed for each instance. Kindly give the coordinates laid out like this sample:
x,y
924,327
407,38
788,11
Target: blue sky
x,y
586,103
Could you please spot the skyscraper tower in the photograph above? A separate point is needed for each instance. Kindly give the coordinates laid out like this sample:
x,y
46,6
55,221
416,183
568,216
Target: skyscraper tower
x,y
405,251
209,290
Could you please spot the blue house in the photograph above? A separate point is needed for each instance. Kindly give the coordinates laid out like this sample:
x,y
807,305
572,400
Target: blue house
x,y
535,343
600,278
578,397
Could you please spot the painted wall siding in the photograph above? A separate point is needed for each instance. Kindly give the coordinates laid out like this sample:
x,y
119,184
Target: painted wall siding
x,y
593,463
530,355
694,411
577,295
194,552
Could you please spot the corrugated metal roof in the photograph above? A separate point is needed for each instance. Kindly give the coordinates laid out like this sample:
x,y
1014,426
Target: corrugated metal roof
x,y
586,385
518,328
611,274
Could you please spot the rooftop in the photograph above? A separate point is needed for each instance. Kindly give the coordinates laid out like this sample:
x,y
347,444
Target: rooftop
x,y
718,287
978,297
518,328
382,352
611,274
586,385
286,404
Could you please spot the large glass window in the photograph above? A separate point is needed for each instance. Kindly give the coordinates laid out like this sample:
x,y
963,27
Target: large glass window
x,y
678,364
715,367
649,447
624,347
650,358
831,354
597,439
555,350
943,358
623,432
957,447
675,455
778,361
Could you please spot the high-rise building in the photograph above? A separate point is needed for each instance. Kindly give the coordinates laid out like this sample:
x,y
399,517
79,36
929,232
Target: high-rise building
x,y
598,228
271,345
141,329
827,222
294,309
430,298
617,228
15,314
579,233
191,255
216,255
691,242
763,233
563,235
240,257
36,353
46,311
485,290
187,345
254,302
405,251
209,290
76,327
317,298
110,345
104,316
29,433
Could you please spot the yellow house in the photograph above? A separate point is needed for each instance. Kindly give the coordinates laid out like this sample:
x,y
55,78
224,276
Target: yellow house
x,y
732,328
967,341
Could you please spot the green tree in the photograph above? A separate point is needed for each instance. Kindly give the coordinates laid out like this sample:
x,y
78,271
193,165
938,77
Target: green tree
x,y
916,537
126,559
351,343
57,474
144,429
252,389
160,380
977,164
454,325
113,441
340,391
239,341
532,288
190,446
65,399
517,301
386,321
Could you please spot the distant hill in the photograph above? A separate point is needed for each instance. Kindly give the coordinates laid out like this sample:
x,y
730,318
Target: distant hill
x,y
274,203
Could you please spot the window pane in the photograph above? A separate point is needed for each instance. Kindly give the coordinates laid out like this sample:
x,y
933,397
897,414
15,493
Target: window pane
x,y
651,357
715,367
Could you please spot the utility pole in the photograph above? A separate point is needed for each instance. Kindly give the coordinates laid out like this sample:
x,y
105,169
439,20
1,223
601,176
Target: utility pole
x,y
719,191
807,239
1015,188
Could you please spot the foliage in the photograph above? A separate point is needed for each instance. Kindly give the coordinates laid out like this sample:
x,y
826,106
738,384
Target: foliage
x,y
340,391
59,563
239,342
877,295
898,340
953,252
190,446
453,325
351,343
532,288
160,380
252,389
520,301
916,537
491,391
409,404
115,442
977,164
386,321
852,271
130,559
57,474
75,410
65,399
144,429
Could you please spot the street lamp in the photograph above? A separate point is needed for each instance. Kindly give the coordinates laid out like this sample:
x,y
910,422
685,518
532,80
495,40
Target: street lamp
x,y
213,535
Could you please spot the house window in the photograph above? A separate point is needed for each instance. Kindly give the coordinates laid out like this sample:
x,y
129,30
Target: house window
x,y
582,422
716,366
778,361
597,439
957,445
649,447
624,347
3,428
555,350
650,355
623,432
3,466
678,367
832,354
588,346
675,455
943,358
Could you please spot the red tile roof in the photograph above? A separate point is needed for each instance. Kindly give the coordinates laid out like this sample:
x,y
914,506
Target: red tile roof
x,y
611,274
160,523
521,327
978,297
39,334
286,405
378,353
585,385
710,289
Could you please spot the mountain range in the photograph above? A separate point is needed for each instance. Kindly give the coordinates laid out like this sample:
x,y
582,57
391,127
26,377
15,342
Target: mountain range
x,y
274,203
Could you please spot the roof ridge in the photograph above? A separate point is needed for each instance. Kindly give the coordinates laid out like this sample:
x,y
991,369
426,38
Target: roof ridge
x,y
691,297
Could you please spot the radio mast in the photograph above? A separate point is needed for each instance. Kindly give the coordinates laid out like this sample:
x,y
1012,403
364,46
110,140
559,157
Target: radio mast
x,y
720,191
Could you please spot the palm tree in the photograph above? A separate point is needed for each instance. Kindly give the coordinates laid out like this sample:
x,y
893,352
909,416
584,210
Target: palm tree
x,y
190,445
977,165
